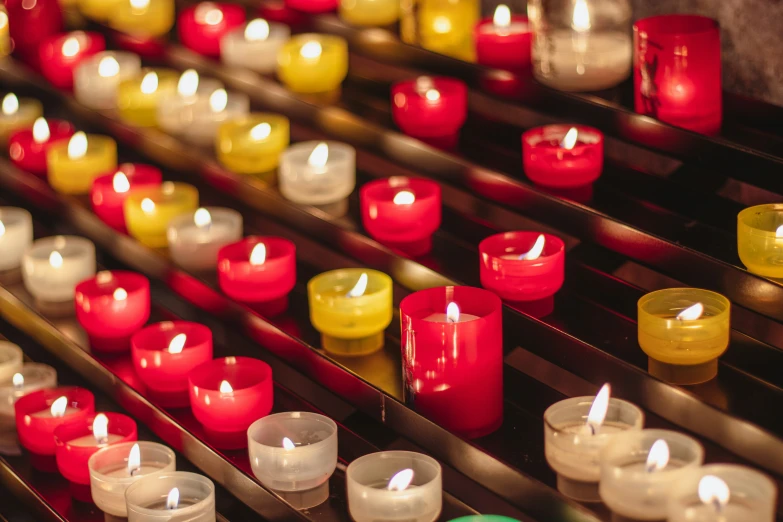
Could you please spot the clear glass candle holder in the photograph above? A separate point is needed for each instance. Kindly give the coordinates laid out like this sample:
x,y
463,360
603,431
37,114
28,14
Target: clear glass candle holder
x,y
31,377
195,238
759,244
252,144
294,454
254,46
683,351
628,488
111,473
310,175
146,498
16,235
95,80
10,360
209,114
138,97
53,266
573,451
148,211
369,12
370,499
313,63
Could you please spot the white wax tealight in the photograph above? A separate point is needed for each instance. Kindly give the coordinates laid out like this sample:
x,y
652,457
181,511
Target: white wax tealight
x,y
639,470
53,266
195,238
16,234
95,80
394,486
294,454
317,173
172,496
254,46
31,377
10,360
211,113
114,468
175,112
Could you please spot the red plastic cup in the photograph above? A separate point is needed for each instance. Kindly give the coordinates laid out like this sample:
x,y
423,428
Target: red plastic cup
x,y
549,163
430,106
202,26
453,371
507,49
35,423
60,56
312,6
30,24
29,154
279,12
109,192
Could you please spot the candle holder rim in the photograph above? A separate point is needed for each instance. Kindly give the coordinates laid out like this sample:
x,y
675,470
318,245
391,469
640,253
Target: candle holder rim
x,y
123,425
41,399
298,40
47,372
588,401
384,279
223,213
178,192
684,486
283,245
530,135
408,308
202,333
744,216
18,214
425,189
654,295
515,17
60,127
256,118
13,351
145,176
662,21
255,426
413,455
488,243
132,282
273,27
262,372
445,85
346,151
155,446
650,435
185,475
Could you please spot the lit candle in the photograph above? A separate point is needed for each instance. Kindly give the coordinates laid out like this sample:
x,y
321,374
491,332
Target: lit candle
x,y
317,173
430,107
252,144
503,41
74,165
760,239
98,10
30,24
254,46
17,114
10,360
95,80
171,496
175,112
221,106
446,27
28,147
563,156
369,12
149,211
138,97
202,26
109,192
16,235
313,63
53,266
62,53
194,239
5,37
143,18
31,377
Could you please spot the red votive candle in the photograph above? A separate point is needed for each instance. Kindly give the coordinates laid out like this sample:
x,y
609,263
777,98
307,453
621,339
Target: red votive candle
x,y
227,395
37,415
279,12
109,192
563,156
312,6
522,266
430,106
201,27
452,352
402,212
32,23
27,148
111,307
503,41
61,53
258,270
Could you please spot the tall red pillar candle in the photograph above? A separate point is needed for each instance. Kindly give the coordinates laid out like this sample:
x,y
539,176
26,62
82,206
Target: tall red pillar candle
x,y
201,27
563,156
503,41
111,307
27,148
61,53
109,192
430,106
39,413
452,352
402,212
30,23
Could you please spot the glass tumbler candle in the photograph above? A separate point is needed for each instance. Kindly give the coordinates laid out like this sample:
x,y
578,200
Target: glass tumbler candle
x,y
369,12
16,235
313,63
10,360
95,80
149,211
294,454
53,266
17,114
683,331
252,144
195,238
73,165
150,499
563,156
254,46
31,377
317,173
677,71
138,97
759,239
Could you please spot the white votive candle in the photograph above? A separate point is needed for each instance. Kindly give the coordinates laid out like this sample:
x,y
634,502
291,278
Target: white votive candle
x,y
31,377
16,235
195,238
175,112
53,266
254,46
10,360
211,113
95,80
317,173
154,499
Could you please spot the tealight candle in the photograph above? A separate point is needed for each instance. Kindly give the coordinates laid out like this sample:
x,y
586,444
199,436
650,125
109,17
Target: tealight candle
x,y
175,112
369,12
394,486
227,395
723,493
430,107
503,41
201,27
28,148
401,212
446,27
143,18
221,106
452,351
760,239
17,114
639,470
109,192
95,80
111,307
313,63
53,266
5,37
172,496
563,156
254,46
16,235
148,211
31,377
74,165
294,454
195,238
98,10
351,308
62,53
312,6
317,173
39,413
10,360
683,331
138,97
252,144
522,266
115,468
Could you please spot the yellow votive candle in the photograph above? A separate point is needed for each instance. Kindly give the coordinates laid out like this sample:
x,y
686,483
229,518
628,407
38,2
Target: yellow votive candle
x,y
446,27
138,97
17,113
5,37
143,18
252,144
351,308
73,165
148,211
369,12
313,63
760,239
683,331
98,10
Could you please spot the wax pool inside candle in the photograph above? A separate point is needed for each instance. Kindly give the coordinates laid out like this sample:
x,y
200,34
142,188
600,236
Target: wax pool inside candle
x,y
89,440
120,469
513,28
183,503
441,318
47,413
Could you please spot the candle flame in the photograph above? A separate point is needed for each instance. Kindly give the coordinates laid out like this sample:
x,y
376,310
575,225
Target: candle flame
x,y
581,18
658,457
71,47
535,252
218,100
691,313
100,428
10,104
779,231
404,197
120,294
17,380
209,14
108,67
55,259
432,95
77,146
261,131
139,5
225,387
713,490
58,407
149,83
134,459
502,17
257,30
120,183
360,287
3,20
311,50
147,205
258,255
202,218
452,313
172,500
319,156
401,480
188,83
41,132
597,414
177,344
288,444
569,140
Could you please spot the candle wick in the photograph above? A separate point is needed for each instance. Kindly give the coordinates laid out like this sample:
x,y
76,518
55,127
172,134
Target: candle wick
x,y
593,428
103,440
134,470
718,505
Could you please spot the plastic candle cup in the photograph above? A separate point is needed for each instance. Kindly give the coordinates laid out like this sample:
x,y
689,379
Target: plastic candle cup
x,y
153,498
252,144
430,106
74,164
313,63
149,211
683,331
111,307
113,469
195,238
176,110
394,486
312,6
446,27
452,353
138,97
95,80
227,395
294,454
30,24
109,192
62,53
17,114
351,308
5,37
401,212
503,41
16,235
221,106
724,493
317,173
10,360
53,266
639,470
522,266
31,377
254,46
760,239
143,18
558,156
369,12
201,27
27,148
